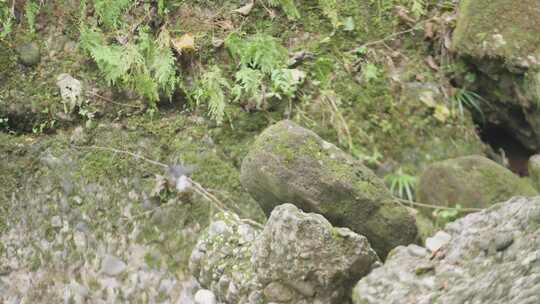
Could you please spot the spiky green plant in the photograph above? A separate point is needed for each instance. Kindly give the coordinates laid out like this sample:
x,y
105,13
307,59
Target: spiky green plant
x,y
401,184
464,98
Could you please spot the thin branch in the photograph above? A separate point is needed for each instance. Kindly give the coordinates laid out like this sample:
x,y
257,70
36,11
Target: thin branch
x,y
437,207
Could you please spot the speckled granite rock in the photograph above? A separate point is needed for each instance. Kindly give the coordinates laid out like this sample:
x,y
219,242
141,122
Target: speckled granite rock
x,y
297,258
492,257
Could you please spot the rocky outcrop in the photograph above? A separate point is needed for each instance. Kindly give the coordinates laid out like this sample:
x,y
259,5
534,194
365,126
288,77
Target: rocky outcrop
x,y
500,39
470,181
290,164
297,258
488,257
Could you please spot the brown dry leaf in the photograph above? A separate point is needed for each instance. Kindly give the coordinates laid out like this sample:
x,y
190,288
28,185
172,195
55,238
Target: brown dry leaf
x,y
429,31
431,63
185,43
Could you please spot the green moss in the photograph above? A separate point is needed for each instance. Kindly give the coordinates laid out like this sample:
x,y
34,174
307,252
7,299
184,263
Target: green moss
x,y
514,35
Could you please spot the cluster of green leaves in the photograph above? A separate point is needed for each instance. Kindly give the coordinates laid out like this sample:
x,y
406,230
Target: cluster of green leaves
x,y
401,184
6,18
384,7
445,216
211,90
144,62
263,71
110,11
145,65
288,7
464,98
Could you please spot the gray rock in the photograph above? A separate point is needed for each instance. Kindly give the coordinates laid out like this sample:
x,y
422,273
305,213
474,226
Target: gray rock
x,y
29,53
301,257
297,258
492,257
290,164
205,296
112,266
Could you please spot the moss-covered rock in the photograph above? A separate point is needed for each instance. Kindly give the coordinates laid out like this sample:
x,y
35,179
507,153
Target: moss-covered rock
x,y
471,181
29,53
500,28
290,164
500,39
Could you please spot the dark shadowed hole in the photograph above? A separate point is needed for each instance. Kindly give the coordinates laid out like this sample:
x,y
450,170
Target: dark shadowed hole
x,y
504,143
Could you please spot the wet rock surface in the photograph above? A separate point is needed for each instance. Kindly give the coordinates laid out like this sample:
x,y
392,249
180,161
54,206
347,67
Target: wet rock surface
x,y
491,257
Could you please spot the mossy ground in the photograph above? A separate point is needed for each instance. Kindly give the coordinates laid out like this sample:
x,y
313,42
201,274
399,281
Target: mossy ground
x,y
378,119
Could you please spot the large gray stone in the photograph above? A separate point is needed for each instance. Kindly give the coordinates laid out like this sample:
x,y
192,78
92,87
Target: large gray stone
x,y
298,258
290,164
492,257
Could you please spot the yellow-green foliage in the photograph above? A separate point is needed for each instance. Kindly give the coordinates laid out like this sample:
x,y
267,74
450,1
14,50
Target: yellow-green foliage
x,y
211,90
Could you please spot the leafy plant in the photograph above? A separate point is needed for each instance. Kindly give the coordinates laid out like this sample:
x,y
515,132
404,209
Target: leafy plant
x,y
145,65
259,51
6,18
401,184
464,98
31,8
110,11
263,71
210,90
288,7
445,216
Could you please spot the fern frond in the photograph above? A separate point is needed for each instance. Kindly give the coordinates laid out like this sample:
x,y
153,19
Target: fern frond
x,y
211,90
288,7
110,11
260,51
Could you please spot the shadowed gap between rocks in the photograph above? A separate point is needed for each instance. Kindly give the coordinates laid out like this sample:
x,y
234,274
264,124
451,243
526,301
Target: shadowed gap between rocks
x,y
506,148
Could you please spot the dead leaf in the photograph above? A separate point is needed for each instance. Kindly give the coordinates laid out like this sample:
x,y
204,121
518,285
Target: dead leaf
x,y
245,10
429,31
185,43
431,63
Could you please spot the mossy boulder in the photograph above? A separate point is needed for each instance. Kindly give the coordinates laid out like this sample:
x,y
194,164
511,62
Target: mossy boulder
x,y
500,28
470,181
290,164
499,40
29,53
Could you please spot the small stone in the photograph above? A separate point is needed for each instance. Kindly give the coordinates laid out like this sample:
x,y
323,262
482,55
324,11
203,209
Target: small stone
x,y
56,221
112,266
278,292
503,241
439,240
205,296
219,228
29,54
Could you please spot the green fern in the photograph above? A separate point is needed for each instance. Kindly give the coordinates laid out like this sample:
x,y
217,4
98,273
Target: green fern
x,y
110,11
210,90
147,66
288,7
6,19
31,9
248,83
330,9
259,51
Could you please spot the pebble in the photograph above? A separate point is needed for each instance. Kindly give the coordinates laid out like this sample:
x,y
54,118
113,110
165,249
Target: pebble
x,y
112,266
205,296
